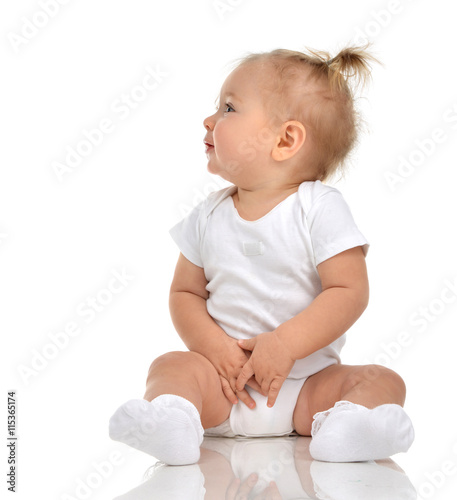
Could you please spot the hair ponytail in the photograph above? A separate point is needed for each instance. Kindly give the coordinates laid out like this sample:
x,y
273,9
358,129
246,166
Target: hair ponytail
x,y
351,66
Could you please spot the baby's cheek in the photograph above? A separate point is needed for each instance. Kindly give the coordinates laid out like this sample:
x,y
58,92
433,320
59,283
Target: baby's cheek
x,y
227,151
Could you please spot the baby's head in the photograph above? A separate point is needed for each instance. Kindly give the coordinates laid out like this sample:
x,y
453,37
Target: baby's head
x,y
310,90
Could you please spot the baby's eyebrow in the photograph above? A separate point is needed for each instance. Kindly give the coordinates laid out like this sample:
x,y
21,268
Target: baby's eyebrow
x,y
226,96
232,94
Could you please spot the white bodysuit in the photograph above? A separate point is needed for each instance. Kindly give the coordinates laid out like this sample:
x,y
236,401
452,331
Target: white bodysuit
x,y
262,273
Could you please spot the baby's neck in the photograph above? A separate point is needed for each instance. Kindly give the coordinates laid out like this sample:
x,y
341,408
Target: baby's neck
x,y
253,205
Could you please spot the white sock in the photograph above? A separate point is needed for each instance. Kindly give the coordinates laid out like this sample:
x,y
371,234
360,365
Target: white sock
x,y
353,433
168,428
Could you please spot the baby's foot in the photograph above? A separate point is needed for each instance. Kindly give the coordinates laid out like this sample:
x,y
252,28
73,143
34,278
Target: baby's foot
x,y
352,433
168,428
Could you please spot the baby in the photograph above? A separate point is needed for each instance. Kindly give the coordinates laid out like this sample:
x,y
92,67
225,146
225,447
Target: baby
x,y
270,276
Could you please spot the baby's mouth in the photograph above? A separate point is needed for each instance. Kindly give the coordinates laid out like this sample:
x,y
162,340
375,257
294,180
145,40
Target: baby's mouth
x,y
208,146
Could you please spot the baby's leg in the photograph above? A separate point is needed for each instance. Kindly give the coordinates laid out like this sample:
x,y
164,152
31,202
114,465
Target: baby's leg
x,y
183,396
191,376
357,413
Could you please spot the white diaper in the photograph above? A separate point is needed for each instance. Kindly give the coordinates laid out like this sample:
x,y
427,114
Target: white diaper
x,y
262,421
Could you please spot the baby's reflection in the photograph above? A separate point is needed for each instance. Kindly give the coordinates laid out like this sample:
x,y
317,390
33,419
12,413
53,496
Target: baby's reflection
x,y
279,468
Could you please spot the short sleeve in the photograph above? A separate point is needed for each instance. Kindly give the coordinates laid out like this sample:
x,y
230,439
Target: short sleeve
x,y
332,226
186,235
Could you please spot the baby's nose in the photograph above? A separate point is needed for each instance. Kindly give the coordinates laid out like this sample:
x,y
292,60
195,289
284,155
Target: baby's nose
x,y
208,123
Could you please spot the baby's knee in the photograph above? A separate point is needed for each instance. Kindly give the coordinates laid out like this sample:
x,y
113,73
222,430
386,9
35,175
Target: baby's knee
x,y
395,383
382,372
379,375
177,361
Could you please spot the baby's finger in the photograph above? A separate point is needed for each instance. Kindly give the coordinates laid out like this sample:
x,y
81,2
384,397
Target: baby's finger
x,y
227,390
246,398
274,391
265,386
246,373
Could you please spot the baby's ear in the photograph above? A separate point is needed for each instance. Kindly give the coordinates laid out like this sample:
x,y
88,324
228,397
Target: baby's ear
x,y
289,141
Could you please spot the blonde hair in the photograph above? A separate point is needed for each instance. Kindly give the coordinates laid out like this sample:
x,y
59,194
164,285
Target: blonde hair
x,y
319,91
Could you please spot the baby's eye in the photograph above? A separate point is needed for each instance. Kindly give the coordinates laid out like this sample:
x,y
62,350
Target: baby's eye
x,y
228,107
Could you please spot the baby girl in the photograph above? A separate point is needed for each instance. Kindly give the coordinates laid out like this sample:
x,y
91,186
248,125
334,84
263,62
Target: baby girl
x,y
270,276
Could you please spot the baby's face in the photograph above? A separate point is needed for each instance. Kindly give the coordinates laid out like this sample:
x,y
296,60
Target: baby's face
x,y
240,134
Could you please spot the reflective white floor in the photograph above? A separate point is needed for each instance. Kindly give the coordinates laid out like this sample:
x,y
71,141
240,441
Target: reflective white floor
x,y
270,468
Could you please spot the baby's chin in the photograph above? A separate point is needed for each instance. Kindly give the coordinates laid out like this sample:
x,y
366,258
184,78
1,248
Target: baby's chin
x,y
225,173
212,170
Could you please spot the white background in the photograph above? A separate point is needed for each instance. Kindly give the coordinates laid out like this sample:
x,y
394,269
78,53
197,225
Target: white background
x,y
61,239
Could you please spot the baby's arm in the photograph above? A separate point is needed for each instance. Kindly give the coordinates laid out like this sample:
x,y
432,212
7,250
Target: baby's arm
x,y
201,333
343,298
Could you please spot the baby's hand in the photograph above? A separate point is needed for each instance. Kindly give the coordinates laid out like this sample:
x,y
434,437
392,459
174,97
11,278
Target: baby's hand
x,y
270,363
229,363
